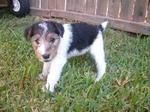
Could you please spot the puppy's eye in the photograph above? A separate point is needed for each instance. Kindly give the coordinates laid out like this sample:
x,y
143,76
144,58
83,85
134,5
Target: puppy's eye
x,y
52,40
37,41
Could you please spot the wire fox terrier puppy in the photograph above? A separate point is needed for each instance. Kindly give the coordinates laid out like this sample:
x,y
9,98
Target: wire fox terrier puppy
x,y
54,43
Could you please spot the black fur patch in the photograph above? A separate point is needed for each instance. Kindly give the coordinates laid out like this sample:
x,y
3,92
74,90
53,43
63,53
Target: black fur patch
x,y
54,27
83,36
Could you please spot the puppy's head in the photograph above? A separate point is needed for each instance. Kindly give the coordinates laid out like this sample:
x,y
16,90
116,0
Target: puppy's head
x,y
45,37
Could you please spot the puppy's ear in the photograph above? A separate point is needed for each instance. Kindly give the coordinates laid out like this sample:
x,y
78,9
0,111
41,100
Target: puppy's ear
x,y
28,33
60,29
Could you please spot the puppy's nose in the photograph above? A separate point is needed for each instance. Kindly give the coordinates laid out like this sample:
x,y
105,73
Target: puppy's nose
x,y
45,56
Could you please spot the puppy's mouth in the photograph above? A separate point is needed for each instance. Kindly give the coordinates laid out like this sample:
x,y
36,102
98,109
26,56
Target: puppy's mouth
x,y
47,60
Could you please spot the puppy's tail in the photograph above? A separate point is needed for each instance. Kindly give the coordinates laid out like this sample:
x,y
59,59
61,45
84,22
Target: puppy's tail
x,y
102,26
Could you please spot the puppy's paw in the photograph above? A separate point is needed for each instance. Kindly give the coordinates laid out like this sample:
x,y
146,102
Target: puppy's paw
x,y
48,88
97,79
41,77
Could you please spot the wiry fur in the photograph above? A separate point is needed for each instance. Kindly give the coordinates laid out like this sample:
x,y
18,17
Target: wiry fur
x,y
54,43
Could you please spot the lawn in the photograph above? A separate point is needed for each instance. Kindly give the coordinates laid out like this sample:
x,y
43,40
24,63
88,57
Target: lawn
x,y
124,87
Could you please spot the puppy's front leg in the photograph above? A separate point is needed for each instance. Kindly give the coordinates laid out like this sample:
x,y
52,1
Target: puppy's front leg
x,y
45,71
55,72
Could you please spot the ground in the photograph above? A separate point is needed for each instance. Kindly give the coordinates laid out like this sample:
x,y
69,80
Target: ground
x,y
124,87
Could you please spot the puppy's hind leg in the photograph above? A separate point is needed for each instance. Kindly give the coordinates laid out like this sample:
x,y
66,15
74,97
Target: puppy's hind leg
x,y
98,54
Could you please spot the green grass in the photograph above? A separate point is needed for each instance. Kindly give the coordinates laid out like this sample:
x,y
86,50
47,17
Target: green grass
x,y
124,87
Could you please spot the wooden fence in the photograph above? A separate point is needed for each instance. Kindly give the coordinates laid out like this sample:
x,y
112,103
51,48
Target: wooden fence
x,y
127,15
3,3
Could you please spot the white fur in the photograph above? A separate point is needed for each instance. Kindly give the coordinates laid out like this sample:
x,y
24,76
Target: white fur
x,y
104,24
97,51
55,72
43,25
77,53
41,48
56,65
65,41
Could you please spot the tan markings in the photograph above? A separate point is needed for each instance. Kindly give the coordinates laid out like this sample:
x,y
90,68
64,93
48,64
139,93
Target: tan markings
x,y
50,46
